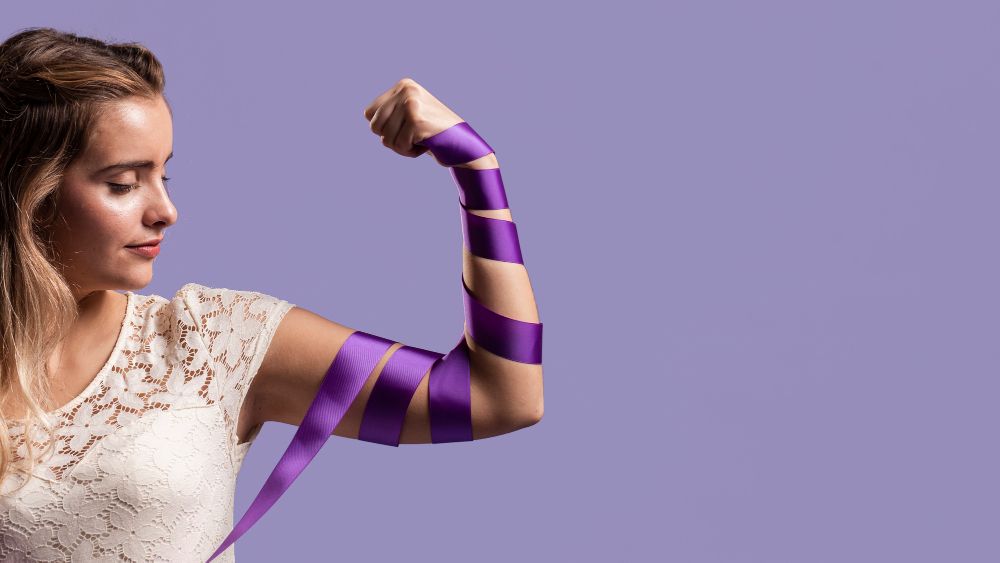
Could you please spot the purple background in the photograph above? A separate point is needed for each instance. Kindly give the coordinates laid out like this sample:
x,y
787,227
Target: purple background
x,y
761,237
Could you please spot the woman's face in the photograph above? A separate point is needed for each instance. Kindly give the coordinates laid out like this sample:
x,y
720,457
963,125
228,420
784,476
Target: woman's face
x,y
130,145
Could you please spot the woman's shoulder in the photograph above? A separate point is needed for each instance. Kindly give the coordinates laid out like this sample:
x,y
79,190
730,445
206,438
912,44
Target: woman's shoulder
x,y
212,306
200,304
190,296
205,291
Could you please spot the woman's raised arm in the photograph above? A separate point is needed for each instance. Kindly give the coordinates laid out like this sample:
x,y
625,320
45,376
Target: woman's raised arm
x,y
411,395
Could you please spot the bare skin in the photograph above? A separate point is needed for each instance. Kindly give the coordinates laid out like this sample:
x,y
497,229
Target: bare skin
x,y
99,223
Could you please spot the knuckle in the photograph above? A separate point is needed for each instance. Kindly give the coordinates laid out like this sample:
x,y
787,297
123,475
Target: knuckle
x,y
412,106
410,88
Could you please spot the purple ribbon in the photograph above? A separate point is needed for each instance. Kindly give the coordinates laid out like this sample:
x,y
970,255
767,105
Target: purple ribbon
x,y
480,189
515,340
449,396
495,239
449,384
386,407
457,144
343,381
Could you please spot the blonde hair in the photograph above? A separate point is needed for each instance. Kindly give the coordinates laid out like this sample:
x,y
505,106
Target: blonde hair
x,y
54,86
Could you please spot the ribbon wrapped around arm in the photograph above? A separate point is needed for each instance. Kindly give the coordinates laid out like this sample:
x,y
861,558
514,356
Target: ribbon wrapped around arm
x,y
449,385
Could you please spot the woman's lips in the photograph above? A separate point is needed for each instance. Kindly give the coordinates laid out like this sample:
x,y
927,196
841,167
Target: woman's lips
x,y
149,251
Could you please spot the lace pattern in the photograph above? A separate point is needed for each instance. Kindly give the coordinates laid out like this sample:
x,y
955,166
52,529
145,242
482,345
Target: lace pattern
x,y
146,457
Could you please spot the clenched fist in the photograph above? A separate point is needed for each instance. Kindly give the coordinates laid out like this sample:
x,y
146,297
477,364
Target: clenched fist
x,y
407,114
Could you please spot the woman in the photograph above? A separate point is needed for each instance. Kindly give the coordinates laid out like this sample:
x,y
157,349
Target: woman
x,y
126,417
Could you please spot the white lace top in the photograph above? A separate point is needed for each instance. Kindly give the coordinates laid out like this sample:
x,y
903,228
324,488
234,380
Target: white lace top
x,y
147,456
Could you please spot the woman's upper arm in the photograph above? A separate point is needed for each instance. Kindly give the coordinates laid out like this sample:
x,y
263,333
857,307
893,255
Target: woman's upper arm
x,y
302,349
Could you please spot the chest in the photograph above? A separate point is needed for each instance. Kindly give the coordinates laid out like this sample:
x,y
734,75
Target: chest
x,y
75,373
164,484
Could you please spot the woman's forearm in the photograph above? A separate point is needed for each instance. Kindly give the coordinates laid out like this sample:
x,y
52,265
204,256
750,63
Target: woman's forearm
x,y
510,391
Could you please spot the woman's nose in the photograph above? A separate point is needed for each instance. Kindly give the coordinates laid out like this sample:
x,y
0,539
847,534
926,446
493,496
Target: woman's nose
x,y
162,208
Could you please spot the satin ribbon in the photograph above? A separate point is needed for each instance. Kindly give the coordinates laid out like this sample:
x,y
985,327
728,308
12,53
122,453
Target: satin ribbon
x,y
449,384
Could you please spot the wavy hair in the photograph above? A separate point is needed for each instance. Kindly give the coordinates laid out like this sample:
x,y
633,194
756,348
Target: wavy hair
x,y
54,86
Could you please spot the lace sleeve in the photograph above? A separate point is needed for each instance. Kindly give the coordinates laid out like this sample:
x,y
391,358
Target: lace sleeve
x,y
236,328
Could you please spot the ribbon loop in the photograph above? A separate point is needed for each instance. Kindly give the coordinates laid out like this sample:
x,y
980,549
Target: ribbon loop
x,y
450,397
495,239
480,188
386,408
515,340
457,144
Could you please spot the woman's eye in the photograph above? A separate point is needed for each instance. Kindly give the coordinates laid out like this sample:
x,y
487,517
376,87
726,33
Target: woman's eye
x,y
122,188
125,188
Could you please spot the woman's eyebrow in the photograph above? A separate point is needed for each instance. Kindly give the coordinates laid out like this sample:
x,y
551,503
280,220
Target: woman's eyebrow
x,y
131,164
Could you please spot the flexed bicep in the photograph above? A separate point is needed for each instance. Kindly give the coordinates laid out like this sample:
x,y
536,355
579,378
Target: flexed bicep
x,y
426,396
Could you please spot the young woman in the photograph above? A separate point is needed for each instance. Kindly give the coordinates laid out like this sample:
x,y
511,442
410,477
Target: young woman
x,y
125,417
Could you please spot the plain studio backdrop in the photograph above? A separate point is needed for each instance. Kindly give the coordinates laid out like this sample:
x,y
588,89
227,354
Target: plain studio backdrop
x,y
762,237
